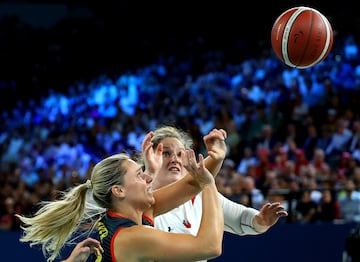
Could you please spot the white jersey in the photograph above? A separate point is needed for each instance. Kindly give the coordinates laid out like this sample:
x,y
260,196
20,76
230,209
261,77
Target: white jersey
x,y
187,217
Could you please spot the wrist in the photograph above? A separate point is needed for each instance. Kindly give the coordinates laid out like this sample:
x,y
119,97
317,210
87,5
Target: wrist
x,y
210,185
260,228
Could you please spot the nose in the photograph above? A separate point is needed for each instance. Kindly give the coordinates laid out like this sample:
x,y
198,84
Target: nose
x,y
148,179
174,158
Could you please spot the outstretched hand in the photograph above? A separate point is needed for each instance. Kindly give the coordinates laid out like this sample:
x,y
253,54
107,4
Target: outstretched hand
x,y
83,249
152,158
198,170
268,216
215,144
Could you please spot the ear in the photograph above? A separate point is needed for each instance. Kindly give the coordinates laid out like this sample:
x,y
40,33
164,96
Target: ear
x,y
118,191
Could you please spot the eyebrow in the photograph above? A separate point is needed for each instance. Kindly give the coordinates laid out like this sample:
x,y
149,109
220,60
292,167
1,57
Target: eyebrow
x,y
181,148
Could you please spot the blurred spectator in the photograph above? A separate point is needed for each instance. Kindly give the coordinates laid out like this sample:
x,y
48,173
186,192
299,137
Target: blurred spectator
x,y
255,194
351,49
228,169
315,192
225,120
356,152
329,207
237,184
223,185
331,116
344,166
300,109
248,159
318,163
280,160
262,166
310,142
325,137
349,200
301,163
267,138
270,182
339,140
355,175
294,135
290,148
275,117
8,221
305,208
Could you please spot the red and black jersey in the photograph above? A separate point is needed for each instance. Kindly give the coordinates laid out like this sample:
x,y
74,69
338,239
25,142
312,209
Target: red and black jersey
x,y
111,225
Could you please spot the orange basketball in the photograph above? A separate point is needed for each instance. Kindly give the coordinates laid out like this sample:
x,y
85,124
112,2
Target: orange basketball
x,y
301,37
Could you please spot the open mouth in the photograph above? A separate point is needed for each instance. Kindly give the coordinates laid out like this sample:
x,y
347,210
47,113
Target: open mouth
x,y
174,169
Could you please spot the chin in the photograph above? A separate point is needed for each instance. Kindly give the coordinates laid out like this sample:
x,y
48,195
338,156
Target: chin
x,y
152,201
175,177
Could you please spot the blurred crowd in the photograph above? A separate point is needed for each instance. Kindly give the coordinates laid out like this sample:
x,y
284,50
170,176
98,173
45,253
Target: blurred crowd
x,y
293,135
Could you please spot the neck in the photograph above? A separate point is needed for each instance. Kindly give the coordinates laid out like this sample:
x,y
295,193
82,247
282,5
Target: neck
x,y
130,213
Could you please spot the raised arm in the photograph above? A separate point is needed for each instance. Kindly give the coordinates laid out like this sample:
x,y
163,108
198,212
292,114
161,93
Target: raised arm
x,y
177,193
152,157
214,143
242,220
146,243
216,149
187,187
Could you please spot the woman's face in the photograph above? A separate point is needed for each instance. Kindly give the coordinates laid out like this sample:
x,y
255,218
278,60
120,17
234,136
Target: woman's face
x,y
137,185
172,168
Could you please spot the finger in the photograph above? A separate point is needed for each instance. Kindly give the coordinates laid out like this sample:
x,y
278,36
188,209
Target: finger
x,y
274,204
185,158
282,213
192,155
148,137
223,133
147,145
192,162
90,241
97,251
93,243
201,161
267,206
159,149
220,133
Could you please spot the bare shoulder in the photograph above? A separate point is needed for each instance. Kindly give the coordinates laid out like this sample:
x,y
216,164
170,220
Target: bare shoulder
x,y
133,242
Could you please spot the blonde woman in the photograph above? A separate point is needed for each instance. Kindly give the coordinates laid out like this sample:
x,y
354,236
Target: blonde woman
x,y
127,205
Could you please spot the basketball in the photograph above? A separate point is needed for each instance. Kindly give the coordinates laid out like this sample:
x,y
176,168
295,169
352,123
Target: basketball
x,y
301,37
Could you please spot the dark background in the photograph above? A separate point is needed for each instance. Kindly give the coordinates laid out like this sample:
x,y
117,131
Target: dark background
x,y
38,52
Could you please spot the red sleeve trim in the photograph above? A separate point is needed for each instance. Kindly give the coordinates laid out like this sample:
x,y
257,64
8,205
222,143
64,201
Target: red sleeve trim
x,y
112,248
149,219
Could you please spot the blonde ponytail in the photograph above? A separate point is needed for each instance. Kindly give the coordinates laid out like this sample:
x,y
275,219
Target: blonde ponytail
x,y
55,222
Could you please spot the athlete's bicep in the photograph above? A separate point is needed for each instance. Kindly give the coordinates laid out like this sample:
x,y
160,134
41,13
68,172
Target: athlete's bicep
x,y
174,194
146,243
